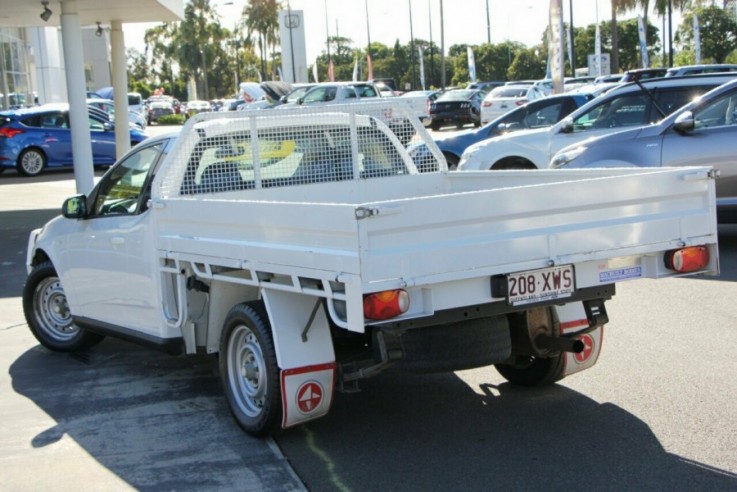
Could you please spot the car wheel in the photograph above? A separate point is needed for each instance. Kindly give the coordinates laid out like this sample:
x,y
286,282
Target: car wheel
x,y
248,369
435,126
31,162
47,313
452,161
533,371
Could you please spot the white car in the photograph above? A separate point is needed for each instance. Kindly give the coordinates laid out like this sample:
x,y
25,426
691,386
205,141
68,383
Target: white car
x,y
505,98
621,108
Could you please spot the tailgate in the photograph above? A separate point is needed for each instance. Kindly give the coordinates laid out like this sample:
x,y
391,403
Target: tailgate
x,y
505,221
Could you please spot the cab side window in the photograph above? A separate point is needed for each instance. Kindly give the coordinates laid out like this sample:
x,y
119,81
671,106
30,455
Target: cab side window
x,y
122,190
720,112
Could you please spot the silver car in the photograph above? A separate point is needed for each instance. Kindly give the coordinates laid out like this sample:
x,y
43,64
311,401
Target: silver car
x,y
703,132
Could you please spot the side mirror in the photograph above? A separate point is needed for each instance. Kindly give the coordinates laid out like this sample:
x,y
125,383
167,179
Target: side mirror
x,y
109,127
75,207
567,126
283,99
684,122
301,100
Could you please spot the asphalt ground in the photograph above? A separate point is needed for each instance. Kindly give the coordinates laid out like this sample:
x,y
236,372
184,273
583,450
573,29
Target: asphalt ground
x,y
118,417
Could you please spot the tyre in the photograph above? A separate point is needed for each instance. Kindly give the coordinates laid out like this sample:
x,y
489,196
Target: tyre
x,y
452,161
248,369
435,126
532,371
47,313
31,162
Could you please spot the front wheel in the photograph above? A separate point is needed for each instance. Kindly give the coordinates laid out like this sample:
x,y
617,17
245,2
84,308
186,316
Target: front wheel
x,y
533,371
47,313
249,370
31,162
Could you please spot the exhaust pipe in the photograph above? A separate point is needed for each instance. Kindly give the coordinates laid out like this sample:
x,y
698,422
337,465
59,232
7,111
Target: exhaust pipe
x,y
559,343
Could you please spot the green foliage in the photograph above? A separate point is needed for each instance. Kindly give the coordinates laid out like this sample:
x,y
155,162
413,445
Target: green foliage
x,y
718,33
171,119
527,65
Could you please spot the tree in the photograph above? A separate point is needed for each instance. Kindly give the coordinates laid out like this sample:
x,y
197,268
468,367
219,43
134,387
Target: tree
x,y
262,18
618,6
718,33
527,65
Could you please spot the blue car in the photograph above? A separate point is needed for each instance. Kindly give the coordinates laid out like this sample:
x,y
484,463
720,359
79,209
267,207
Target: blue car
x,y
35,138
536,114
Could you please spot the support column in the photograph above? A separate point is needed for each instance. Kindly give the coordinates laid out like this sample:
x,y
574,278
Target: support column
x,y
120,88
71,37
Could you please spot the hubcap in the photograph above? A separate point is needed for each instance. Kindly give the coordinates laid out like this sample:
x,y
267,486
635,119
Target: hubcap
x,y
247,371
32,162
52,311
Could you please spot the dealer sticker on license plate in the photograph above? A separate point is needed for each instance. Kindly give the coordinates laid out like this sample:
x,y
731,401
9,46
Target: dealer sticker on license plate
x,y
540,285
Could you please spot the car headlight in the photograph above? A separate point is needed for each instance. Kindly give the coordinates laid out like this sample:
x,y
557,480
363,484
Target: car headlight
x,y
562,159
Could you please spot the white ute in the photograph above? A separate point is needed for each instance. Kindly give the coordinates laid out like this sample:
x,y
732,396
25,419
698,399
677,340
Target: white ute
x,y
305,249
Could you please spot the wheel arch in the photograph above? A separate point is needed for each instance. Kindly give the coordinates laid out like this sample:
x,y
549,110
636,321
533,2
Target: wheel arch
x,y
513,162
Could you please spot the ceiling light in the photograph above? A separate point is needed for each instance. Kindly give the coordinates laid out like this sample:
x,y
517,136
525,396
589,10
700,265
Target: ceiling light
x,y
46,14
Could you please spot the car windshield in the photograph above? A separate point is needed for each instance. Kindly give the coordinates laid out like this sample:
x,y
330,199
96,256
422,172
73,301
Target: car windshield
x,y
508,92
456,96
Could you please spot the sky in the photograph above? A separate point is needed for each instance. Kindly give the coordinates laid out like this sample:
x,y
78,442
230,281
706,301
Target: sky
x,y
389,20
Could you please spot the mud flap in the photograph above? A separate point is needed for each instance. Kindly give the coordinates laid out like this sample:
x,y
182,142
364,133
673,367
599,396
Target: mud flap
x,y
307,393
304,352
572,318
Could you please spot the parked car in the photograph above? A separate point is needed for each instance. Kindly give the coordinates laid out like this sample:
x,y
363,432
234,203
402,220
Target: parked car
x,y
505,98
702,133
701,69
485,86
35,138
456,107
158,107
420,102
194,107
540,113
108,106
644,74
339,92
623,107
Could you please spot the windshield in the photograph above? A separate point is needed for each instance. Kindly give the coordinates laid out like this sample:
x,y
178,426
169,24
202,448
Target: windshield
x,y
456,96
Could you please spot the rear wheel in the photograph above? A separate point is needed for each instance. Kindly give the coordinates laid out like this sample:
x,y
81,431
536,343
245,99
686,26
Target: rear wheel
x,y
435,126
47,313
31,162
532,371
248,369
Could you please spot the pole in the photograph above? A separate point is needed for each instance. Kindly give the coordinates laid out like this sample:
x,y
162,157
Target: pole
x,y
442,47
432,59
291,42
488,24
327,31
573,50
368,31
670,33
412,48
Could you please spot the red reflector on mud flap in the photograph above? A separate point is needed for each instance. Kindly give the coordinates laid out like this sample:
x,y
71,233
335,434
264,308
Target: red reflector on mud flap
x,y
688,259
386,304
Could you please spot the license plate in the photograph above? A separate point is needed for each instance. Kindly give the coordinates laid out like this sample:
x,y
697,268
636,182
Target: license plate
x,y
540,285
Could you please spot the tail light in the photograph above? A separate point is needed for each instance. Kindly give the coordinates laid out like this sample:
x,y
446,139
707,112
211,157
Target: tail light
x,y
688,259
486,104
386,304
9,132
520,102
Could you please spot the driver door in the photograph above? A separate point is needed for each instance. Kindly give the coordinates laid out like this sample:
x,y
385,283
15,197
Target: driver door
x,y
108,261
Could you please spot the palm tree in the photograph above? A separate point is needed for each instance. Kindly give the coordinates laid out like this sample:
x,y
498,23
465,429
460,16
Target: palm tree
x,y
618,6
262,17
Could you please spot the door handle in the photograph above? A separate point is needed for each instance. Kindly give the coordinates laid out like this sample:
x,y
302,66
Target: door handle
x,y
117,240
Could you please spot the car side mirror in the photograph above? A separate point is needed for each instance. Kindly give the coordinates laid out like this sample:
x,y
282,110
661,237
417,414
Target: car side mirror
x,y
567,126
283,99
301,100
75,207
685,122
109,127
